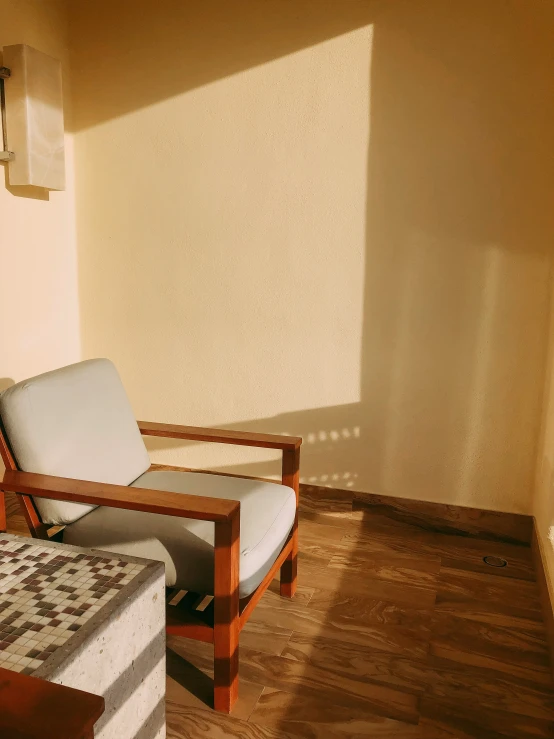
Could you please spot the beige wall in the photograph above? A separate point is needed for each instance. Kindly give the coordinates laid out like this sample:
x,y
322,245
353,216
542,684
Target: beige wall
x,y
332,219
39,322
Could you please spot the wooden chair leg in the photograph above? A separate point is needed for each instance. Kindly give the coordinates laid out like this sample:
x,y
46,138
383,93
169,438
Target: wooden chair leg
x,y
289,568
291,478
226,614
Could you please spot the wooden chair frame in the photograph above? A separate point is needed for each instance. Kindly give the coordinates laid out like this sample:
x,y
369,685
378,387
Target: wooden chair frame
x,y
222,621
31,708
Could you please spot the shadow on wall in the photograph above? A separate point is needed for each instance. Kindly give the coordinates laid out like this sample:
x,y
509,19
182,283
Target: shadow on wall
x,y
459,228
331,450
459,245
186,45
459,231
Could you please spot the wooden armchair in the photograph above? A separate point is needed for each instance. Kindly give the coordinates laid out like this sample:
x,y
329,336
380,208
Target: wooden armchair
x,y
74,455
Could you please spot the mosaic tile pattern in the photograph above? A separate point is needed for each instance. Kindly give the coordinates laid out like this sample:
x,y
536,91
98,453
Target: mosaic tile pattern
x,y
47,594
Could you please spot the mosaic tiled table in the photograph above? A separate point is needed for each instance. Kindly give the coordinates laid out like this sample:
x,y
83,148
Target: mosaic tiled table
x,y
90,620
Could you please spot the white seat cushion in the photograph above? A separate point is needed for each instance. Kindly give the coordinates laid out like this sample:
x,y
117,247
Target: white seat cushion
x,y
186,545
74,422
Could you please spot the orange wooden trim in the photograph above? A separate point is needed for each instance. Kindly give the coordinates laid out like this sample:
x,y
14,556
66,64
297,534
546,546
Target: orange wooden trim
x,y
120,496
291,478
31,708
188,627
291,470
9,464
226,614
219,436
248,604
197,632
5,451
36,527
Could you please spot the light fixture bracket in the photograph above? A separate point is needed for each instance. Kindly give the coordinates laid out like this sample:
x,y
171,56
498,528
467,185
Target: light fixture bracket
x,y
5,156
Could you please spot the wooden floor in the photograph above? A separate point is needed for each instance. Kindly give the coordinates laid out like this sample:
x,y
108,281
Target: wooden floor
x,y
395,632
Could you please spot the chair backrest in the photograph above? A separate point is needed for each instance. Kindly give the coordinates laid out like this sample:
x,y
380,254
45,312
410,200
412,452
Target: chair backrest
x,y
74,422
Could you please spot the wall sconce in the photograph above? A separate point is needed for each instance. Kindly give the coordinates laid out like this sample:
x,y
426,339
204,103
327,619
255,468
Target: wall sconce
x,y
32,118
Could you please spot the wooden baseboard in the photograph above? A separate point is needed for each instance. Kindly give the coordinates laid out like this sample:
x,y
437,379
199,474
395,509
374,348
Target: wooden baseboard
x,y
541,572
514,528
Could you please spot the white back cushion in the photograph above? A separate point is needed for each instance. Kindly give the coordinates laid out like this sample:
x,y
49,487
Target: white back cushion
x,y
74,422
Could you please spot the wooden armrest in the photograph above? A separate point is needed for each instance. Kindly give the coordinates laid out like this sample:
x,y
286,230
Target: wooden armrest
x,y
120,496
220,436
31,708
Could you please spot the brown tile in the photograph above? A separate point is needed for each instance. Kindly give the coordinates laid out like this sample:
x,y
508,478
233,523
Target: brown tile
x,y
360,663
374,632
264,637
419,594
192,722
460,720
306,717
480,687
411,570
323,532
466,553
188,686
511,650
303,594
310,680
336,604
391,538
474,594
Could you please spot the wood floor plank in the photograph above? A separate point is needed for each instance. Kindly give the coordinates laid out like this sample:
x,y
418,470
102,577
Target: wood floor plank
x,y
417,593
310,718
336,604
303,594
457,719
461,552
187,685
386,538
481,687
412,640
502,648
324,532
467,553
196,723
188,694
473,593
419,571
361,663
270,638
314,681
16,520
